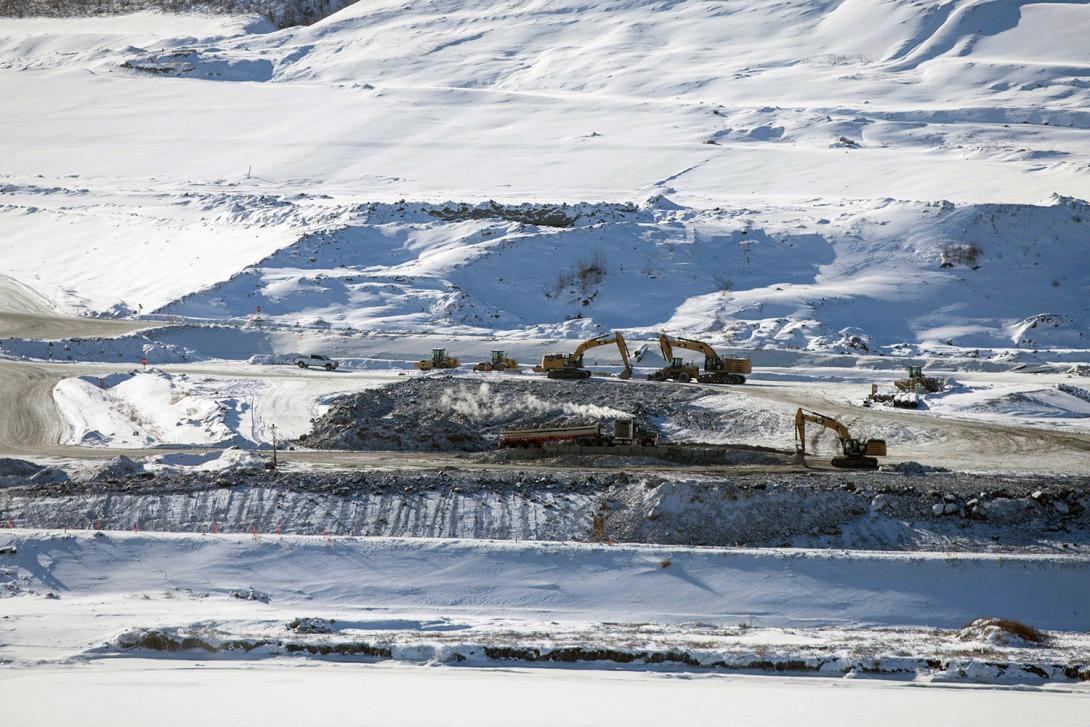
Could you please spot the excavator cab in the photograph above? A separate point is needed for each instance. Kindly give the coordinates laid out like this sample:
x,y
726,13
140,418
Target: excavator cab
x,y
915,372
496,357
853,447
677,362
437,356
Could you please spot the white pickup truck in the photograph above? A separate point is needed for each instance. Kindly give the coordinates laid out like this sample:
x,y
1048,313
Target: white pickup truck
x,y
305,362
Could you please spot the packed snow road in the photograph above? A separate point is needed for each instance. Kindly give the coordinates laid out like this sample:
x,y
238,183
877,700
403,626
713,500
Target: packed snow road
x,y
26,314
390,695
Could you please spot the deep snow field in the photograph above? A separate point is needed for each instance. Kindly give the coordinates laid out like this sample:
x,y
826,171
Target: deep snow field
x,y
835,188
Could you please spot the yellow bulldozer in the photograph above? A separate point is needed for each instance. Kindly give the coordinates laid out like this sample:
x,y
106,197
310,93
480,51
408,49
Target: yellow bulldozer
x,y
570,365
497,361
439,360
855,453
717,369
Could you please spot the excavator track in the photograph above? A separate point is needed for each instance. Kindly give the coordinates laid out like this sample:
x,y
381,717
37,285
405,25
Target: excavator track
x,y
569,374
855,463
733,379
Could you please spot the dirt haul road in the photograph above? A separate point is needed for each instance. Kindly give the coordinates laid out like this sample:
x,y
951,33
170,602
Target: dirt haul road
x,y
25,314
32,427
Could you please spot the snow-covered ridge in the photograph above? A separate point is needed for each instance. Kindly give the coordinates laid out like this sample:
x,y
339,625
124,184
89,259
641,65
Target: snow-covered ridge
x,y
843,278
750,170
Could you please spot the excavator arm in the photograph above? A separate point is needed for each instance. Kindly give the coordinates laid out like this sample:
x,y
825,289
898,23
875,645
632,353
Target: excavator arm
x,y
802,416
587,345
622,346
666,349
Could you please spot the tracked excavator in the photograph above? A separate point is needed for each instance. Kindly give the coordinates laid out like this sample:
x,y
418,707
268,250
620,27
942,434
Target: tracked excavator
x,y
717,370
856,454
570,365
497,361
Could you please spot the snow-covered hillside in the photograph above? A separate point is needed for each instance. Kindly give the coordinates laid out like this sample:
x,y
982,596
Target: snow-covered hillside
x,y
759,174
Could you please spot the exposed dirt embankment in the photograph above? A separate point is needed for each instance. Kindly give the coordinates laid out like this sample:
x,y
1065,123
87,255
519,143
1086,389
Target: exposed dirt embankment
x,y
874,511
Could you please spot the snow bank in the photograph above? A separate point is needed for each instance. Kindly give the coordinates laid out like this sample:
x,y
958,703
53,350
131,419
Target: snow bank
x,y
150,408
157,408
570,582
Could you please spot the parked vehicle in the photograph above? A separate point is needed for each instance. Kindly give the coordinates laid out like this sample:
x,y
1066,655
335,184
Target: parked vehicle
x,y
316,360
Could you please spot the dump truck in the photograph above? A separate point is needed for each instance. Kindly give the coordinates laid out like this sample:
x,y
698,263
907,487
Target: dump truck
x,y
625,432
570,365
717,369
439,360
497,361
855,453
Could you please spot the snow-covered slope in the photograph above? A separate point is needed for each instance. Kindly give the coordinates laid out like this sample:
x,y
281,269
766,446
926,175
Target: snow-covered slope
x,y
812,173
843,278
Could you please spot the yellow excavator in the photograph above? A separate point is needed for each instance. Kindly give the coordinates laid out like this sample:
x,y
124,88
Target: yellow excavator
x,y
497,361
570,365
439,360
717,370
857,454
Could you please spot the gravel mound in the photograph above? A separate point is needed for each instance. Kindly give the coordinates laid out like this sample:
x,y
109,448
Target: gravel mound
x,y
447,413
14,472
118,467
1003,632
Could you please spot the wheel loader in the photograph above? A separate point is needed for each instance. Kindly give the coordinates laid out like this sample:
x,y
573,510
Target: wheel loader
x,y
570,365
717,370
917,383
439,360
497,361
855,453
